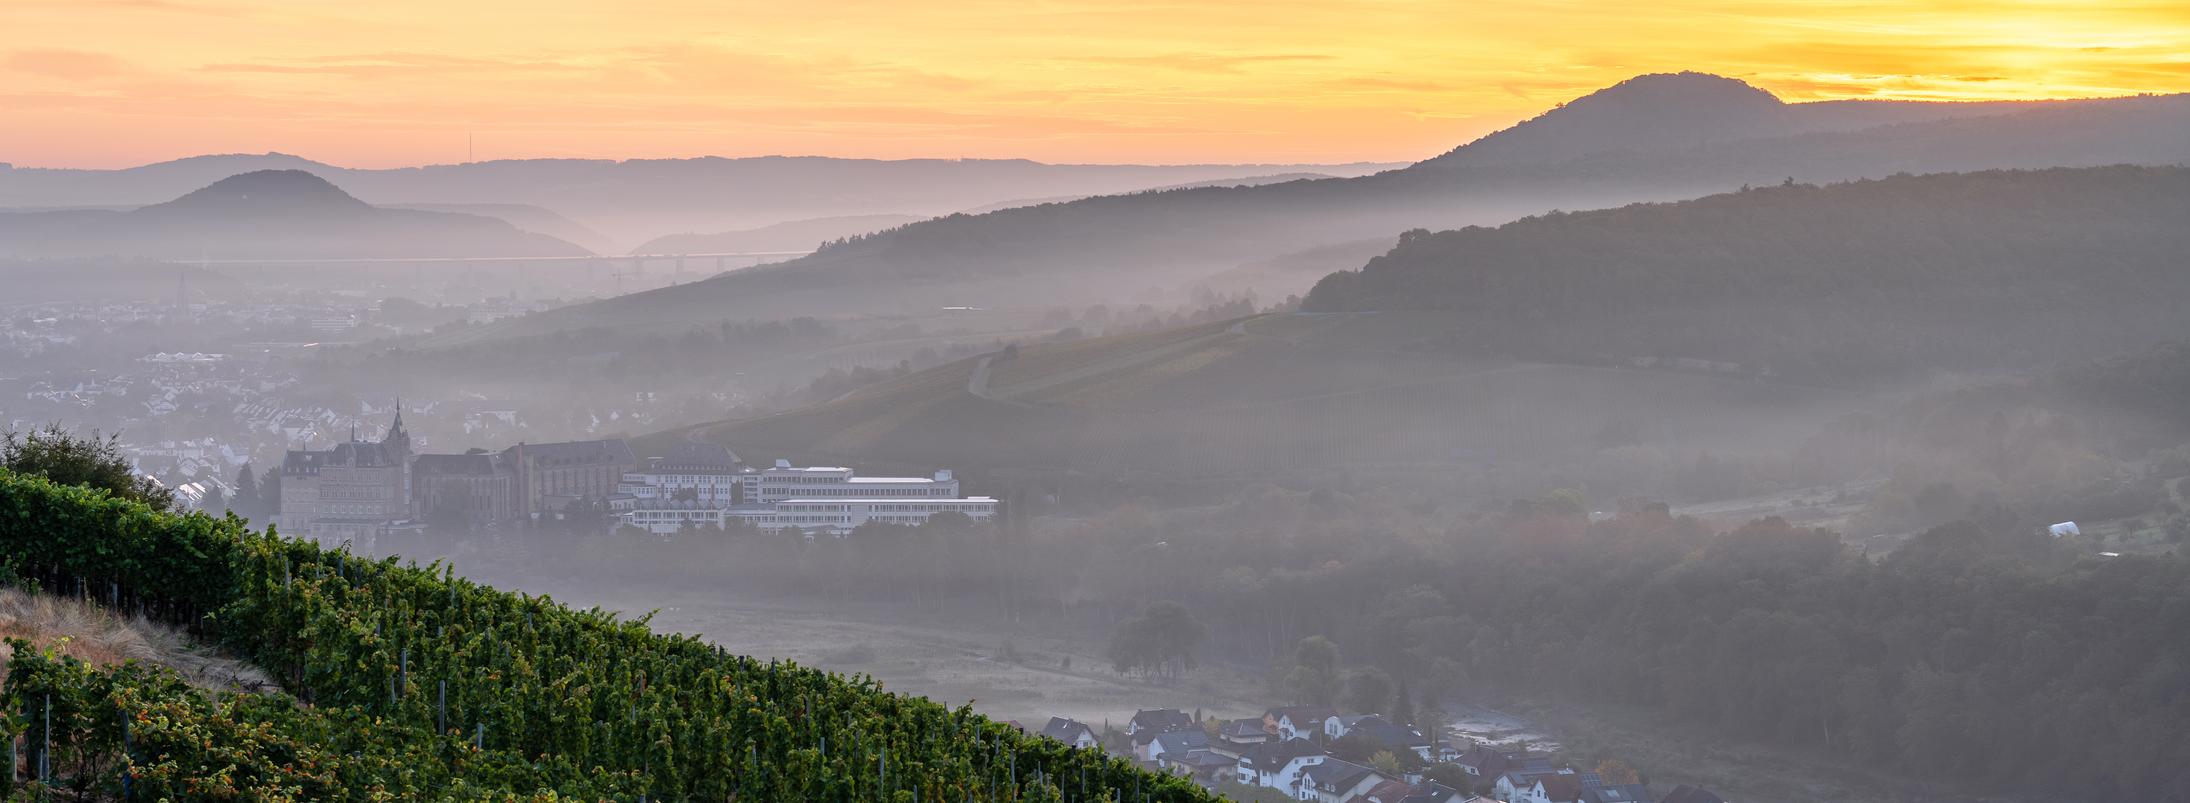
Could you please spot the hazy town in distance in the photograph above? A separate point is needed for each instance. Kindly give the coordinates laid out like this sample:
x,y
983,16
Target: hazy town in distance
x,y
1394,402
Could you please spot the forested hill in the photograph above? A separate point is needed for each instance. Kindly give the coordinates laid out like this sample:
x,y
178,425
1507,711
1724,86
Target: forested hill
x,y
1993,270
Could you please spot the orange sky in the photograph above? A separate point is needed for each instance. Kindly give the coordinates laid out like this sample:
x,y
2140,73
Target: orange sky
x,y
400,82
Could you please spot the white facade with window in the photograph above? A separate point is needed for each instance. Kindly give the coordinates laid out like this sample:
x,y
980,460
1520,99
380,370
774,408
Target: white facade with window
x,y
715,489
808,499
785,481
833,516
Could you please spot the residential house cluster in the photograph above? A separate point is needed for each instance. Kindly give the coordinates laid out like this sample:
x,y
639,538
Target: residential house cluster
x,y
1289,749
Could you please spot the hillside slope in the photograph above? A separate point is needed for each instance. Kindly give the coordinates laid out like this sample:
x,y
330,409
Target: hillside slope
x,y
92,634
1734,322
1995,271
1275,396
795,235
1109,248
269,214
425,686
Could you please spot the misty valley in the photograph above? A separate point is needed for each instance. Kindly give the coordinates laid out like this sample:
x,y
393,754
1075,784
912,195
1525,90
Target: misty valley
x,y
1682,443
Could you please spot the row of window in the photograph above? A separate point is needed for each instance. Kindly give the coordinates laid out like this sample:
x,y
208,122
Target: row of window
x,y
688,479
938,507
808,480
852,491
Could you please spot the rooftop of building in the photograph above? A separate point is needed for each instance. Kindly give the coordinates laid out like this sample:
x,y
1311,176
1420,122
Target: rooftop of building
x,y
445,465
690,456
887,501
566,453
355,454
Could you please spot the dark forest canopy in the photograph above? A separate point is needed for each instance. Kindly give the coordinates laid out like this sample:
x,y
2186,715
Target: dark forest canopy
x,y
2000,270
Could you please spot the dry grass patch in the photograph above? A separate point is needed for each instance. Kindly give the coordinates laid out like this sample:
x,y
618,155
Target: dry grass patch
x,y
95,635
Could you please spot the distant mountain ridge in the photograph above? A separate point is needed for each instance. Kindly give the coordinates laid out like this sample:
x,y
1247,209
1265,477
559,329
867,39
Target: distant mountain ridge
x,y
806,235
1104,247
268,214
634,200
1243,181
1724,322
1679,111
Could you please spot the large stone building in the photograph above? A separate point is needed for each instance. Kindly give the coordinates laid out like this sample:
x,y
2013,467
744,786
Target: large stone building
x,y
475,488
353,492
551,476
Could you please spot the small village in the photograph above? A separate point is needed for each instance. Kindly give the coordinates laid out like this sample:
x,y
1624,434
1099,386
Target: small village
x,y
1317,753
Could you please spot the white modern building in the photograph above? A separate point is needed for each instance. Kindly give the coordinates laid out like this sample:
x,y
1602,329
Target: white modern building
x,y
703,473
832,516
820,499
785,481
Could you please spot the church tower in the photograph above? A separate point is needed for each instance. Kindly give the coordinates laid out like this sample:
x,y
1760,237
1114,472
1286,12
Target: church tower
x,y
397,440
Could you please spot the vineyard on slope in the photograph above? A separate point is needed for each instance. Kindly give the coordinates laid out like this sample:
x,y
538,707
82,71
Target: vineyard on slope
x,y
404,683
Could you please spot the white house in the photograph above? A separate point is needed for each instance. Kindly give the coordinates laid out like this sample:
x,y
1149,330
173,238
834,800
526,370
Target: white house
x,y
1549,789
1337,725
1336,781
1298,722
1515,785
1072,732
1277,765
